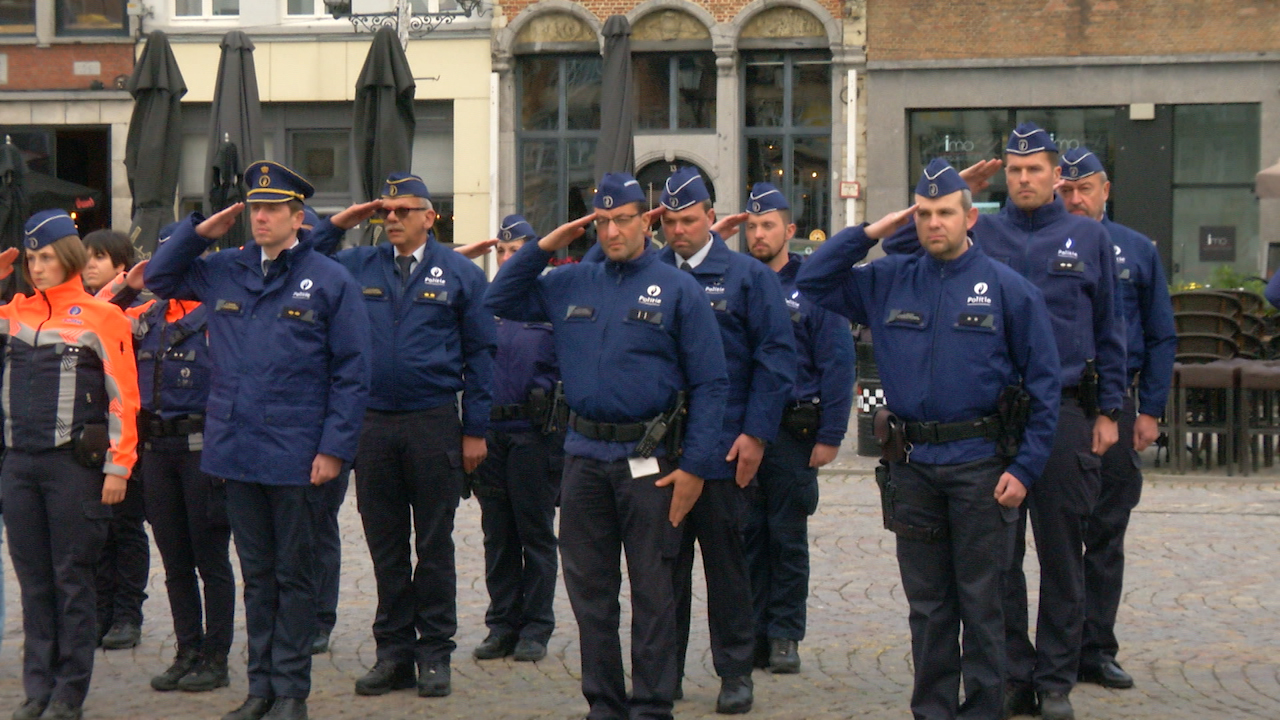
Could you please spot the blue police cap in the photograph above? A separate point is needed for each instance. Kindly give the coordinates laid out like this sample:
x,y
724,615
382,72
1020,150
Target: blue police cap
x,y
271,182
683,189
1079,163
400,184
940,179
616,190
515,227
766,198
309,216
48,226
167,231
1028,139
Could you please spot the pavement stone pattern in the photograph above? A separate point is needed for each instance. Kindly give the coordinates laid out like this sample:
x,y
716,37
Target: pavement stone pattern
x,y
1199,625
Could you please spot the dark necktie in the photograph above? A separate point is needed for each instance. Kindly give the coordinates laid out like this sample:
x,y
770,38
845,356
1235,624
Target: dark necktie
x,y
266,266
404,262
685,266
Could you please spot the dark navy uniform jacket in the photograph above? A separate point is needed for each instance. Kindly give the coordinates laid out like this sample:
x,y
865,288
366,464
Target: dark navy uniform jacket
x,y
526,359
290,354
949,337
1152,339
1273,290
759,349
1061,254
173,360
430,341
824,357
629,336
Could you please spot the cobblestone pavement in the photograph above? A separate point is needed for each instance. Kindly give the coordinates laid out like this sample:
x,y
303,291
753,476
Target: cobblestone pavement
x,y
1200,625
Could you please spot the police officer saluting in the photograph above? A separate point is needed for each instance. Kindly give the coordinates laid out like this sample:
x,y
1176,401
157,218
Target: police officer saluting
x,y
1072,261
637,342
516,484
813,425
432,338
1151,342
289,338
755,330
956,334
69,398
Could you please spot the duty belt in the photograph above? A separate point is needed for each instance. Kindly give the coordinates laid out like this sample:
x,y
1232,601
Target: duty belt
x,y
158,427
935,432
1071,392
501,413
610,432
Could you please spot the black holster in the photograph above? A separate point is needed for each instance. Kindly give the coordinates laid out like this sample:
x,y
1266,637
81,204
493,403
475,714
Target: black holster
x,y
890,430
1014,408
91,445
802,420
1088,393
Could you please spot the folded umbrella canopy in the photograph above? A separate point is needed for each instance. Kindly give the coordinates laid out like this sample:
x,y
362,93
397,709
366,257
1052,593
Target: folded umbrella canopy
x,y
155,131
1267,182
13,211
383,117
235,118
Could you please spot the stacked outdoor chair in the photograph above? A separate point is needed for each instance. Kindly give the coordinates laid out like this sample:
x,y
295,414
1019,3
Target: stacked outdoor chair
x,y
1258,423
1204,408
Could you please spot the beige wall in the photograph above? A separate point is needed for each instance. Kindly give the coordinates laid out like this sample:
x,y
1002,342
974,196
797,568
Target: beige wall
x,y
445,69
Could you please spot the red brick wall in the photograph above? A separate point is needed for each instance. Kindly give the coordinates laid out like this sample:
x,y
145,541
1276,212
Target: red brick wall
x,y
722,10
928,30
51,68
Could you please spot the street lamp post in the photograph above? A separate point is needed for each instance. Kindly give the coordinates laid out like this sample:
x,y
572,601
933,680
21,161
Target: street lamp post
x,y
405,22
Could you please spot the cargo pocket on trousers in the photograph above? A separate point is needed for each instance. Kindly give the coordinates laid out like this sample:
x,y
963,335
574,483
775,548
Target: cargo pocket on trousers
x,y
455,478
216,510
97,518
1091,480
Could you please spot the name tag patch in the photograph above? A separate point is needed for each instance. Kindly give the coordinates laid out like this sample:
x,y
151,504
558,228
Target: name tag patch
x,y
580,312
373,292
905,317
227,306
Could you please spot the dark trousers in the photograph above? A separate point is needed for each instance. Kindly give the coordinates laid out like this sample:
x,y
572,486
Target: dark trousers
x,y
1058,504
125,562
325,504
955,583
777,538
409,482
187,510
716,523
517,496
1104,544
57,525
272,528
604,512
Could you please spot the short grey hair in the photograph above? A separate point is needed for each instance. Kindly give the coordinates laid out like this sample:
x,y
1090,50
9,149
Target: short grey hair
x,y
966,199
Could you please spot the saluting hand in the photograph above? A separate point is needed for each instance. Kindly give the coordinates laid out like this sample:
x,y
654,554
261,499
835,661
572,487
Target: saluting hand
x,y
889,224
7,258
113,489
979,174
748,451
476,249
1010,492
355,214
325,468
688,488
221,222
727,226
134,277
566,233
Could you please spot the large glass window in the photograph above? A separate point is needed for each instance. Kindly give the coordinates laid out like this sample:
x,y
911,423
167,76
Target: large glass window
x,y
206,8
558,112
1215,213
17,17
92,17
963,137
787,111
675,92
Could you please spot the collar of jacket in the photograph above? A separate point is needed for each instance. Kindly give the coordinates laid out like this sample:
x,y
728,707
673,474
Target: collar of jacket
x,y
715,263
630,267
251,253
1036,219
788,271
68,292
959,264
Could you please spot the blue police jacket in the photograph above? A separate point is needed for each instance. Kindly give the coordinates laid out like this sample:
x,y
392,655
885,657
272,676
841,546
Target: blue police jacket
x,y
1152,338
1072,261
173,360
525,360
629,336
949,337
431,340
759,350
1273,290
290,354
824,357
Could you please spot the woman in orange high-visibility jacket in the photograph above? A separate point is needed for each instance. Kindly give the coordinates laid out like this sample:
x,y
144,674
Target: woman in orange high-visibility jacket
x,y
70,401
